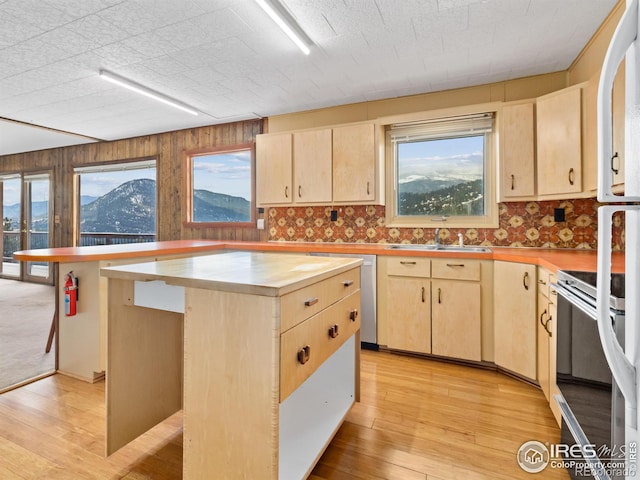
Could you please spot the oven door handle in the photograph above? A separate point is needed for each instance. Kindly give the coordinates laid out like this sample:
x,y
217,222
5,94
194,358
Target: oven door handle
x,y
622,369
576,301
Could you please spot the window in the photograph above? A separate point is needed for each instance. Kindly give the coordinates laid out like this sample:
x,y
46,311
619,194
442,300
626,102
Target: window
x,y
220,186
117,203
442,172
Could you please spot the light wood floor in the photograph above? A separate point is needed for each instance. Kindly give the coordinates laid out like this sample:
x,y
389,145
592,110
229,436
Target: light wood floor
x,y
418,419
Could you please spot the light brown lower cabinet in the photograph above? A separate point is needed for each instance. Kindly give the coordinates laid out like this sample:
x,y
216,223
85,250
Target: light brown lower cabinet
x,y
547,338
409,316
434,306
455,319
262,396
514,297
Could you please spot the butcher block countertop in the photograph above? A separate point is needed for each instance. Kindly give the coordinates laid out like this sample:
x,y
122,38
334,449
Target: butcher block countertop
x,y
269,274
552,259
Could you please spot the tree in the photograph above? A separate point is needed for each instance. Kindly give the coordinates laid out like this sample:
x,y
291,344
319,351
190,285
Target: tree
x,y
6,223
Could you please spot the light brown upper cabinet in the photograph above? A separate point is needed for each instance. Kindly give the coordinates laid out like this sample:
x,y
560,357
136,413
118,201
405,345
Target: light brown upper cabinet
x,y
354,163
274,164
559,142
517,161
312,166
319,166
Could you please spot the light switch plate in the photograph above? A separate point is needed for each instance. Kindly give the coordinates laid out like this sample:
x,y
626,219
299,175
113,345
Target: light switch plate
x,y
260,224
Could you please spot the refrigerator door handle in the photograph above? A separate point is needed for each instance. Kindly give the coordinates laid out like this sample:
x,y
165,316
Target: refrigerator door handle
x,y
622,369
625,34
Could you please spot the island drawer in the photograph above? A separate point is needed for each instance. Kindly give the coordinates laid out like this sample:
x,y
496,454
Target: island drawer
x,y
295,307
409,266
306,346
455,269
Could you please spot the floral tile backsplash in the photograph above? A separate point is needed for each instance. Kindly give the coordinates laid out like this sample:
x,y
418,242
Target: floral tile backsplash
x,y
521,224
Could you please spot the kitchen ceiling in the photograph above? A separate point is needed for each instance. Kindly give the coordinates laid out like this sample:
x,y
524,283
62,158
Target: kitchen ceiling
x,y
230,61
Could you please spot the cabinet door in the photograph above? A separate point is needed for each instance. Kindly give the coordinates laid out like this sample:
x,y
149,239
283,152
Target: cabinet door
x,y
559,142
455,319
544,336
312,166
408,314
354,162
514,304
274,169
517,162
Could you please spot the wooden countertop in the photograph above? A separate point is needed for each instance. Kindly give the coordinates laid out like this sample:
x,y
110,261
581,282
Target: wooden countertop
x,y
552,259
256,273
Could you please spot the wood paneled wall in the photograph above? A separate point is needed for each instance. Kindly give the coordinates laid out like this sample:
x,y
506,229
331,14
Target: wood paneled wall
x,y
166,148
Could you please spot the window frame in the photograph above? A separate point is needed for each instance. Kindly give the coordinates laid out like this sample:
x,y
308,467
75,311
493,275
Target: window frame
x,y
187,204
101,167
490,219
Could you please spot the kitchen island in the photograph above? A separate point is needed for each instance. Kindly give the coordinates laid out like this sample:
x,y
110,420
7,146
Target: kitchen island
x,y
260,350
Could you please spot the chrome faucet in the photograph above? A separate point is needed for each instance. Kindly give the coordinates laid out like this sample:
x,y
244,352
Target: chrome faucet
x,y
437,239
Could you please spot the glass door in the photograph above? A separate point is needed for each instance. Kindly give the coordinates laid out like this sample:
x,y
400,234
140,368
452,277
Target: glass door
x,y
37,220
26,224
11,200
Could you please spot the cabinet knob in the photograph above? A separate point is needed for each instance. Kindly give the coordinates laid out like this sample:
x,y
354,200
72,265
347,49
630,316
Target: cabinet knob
x,y
310,301
347,283
333,331
353,314
303,354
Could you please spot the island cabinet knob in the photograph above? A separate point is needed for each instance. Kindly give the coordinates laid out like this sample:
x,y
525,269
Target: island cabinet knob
x,y
303,354
353,315
310,301
347,283
333,331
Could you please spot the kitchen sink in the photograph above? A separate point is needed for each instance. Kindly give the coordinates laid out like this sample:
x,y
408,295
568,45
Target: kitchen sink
x,y
442,248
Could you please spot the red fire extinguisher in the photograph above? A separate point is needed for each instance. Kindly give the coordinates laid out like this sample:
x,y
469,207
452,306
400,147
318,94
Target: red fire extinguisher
x,y
70,294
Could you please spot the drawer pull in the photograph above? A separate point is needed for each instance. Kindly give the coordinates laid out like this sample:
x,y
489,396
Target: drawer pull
x,y
347,283
439,295
304,354
310,301
333,331
353,314
423,296
403,262
455,264
542,282
525,280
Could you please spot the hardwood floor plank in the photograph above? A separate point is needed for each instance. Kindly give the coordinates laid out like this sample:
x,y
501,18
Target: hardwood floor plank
x,y
419,419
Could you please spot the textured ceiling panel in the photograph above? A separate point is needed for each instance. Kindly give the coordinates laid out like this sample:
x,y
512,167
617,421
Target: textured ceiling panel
x,y
227,59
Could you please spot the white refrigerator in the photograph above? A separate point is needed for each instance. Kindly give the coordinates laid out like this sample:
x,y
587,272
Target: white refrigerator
x,y
624,360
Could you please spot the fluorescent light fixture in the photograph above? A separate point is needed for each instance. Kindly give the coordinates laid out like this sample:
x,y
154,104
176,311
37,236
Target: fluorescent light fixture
x,y
136,87
286,22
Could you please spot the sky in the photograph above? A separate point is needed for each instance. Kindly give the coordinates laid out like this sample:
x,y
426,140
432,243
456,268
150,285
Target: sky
x,y
228,173
440,158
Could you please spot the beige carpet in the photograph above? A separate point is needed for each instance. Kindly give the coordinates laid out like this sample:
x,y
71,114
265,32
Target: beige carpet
x,y
25,318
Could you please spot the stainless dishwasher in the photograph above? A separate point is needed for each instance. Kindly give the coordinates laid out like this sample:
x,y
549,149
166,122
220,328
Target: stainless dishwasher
x,y
368,324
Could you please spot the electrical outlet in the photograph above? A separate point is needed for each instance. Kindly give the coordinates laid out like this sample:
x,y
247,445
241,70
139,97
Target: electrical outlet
x,y
334,215
558,215
260,225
